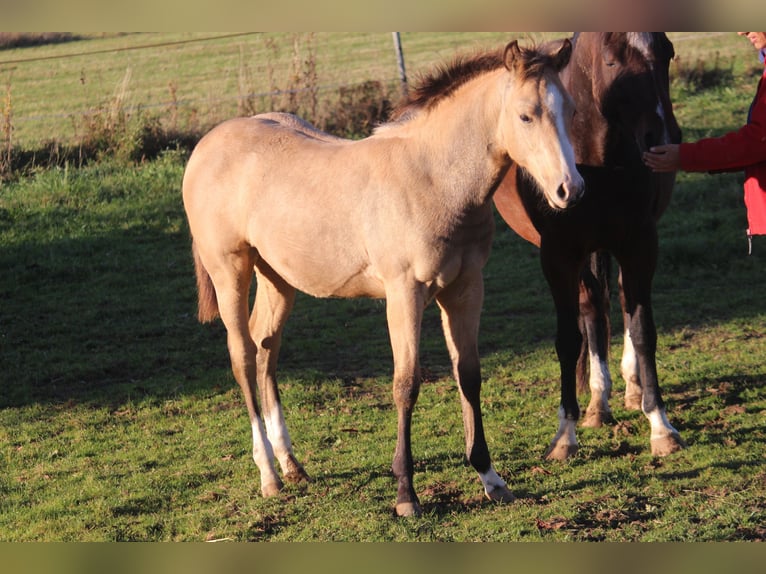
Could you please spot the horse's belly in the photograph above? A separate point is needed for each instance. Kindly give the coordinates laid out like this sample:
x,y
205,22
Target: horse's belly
x,y
321,282
319,267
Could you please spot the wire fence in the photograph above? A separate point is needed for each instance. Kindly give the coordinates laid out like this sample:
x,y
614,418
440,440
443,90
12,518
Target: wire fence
x,y
194,79
189,80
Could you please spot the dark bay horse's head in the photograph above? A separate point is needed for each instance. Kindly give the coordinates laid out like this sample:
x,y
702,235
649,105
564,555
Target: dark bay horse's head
x,y
621,87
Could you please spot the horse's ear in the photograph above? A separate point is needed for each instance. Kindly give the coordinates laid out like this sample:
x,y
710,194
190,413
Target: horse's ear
x,y
511,55
667,46
561,59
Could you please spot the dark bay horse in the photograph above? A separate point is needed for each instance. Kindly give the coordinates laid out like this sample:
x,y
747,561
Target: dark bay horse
x,y
620,85
405,215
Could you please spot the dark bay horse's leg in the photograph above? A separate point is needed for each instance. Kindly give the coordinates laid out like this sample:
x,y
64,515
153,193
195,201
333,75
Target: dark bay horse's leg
x,y
638,264
232,274
274,299
562,271
404,311
594,319
629,361
460,306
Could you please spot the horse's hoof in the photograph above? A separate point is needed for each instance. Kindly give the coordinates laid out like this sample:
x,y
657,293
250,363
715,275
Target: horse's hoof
x,y
500,494
271,489
633,402
561,451
295,472
596,418
666,445
408,509
297,477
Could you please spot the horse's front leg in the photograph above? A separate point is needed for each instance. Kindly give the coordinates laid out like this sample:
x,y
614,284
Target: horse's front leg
x,y
562,271
638,268
460,306
404,313
274,299
594,316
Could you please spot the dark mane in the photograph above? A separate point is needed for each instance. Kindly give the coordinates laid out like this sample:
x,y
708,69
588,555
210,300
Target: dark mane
x,y
446,78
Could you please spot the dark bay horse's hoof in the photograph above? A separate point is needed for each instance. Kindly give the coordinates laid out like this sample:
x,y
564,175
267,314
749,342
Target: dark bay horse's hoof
x,y
596,418
560,451
666,445
500,494
633,402
633,395
408,509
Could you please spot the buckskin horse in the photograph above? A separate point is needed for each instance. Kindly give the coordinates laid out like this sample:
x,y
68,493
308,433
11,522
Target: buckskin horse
x,y
620,85
404,214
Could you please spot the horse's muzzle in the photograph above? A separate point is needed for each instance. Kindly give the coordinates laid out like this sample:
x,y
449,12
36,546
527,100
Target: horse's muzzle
x,y
569,193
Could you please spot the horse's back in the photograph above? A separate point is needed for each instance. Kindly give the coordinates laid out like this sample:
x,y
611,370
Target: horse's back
x,y
243,157
297,124
268,134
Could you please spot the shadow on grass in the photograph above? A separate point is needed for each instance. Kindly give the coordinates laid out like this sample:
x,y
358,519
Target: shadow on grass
x,y
110,316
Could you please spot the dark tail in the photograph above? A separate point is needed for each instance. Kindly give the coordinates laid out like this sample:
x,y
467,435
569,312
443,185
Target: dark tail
x,y
207,302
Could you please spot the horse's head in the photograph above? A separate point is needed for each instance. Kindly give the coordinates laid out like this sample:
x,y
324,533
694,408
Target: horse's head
x,y
535,125
620,83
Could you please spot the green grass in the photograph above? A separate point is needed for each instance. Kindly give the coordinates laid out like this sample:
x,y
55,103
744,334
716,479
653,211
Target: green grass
x,y
120,420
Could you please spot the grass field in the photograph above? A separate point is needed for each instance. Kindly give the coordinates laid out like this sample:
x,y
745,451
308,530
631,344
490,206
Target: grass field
x,y
196,79
120,420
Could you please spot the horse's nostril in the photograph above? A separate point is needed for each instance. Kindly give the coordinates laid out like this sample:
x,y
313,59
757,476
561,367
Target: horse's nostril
x,y
570,192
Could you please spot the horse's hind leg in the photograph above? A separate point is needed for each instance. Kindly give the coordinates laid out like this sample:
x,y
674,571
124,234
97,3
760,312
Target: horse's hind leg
x,y
274,299
460,307
232,274
594,316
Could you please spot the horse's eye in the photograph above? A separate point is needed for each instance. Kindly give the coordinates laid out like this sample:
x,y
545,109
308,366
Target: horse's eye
x,y
525,118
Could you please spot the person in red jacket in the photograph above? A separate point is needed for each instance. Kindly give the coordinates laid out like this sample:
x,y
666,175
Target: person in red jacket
x,y
743,149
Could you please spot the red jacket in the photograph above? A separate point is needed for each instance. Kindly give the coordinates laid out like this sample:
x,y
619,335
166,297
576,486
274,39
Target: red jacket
x,y
735,151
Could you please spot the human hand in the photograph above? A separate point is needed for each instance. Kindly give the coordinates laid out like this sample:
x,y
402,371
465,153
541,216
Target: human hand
x,y
663,158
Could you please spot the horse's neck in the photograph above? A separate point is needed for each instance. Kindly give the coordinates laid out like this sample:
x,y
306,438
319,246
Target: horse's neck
x,y
456,142
590,127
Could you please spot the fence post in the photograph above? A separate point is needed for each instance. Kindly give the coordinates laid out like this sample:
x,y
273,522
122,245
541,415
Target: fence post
x,y
400,62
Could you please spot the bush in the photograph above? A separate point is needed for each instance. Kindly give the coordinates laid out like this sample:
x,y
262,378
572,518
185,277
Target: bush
x,y
360,109
704,74
125,131
10,40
